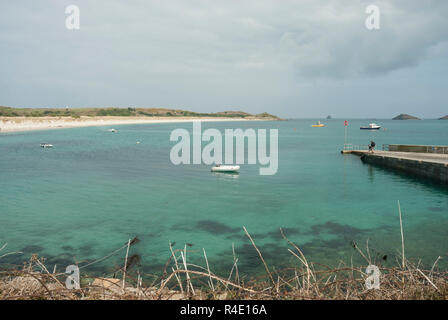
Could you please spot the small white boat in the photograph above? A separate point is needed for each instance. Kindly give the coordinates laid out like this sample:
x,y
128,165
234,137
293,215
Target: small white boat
x,y
113,130
372,126
46,145
221,168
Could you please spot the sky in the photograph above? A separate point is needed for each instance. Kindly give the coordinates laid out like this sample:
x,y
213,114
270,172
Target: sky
x,y
295,59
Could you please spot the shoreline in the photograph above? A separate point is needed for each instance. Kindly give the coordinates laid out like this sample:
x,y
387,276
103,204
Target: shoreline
x,y
24,124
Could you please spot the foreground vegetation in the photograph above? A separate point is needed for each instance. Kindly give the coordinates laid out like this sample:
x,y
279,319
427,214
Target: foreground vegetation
x,y
183,280
121,112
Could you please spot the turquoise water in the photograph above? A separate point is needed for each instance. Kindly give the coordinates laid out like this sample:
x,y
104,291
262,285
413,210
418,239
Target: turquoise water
x,y
94,190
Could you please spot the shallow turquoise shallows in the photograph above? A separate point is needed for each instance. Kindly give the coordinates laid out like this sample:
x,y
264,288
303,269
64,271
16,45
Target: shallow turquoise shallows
x,y
85,198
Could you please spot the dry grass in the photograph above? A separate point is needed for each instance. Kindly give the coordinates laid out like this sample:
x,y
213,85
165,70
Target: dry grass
x,y
189,281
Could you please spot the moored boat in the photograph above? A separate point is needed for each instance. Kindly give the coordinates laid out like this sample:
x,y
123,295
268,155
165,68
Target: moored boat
x,y
221,168
371,126
46,145
318,124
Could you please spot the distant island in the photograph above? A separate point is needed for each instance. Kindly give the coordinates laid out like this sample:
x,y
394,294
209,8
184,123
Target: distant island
x,y
328,117
24,119
404,116
444,118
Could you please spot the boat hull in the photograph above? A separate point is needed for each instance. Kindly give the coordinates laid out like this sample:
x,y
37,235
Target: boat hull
x,y
366,128
226,169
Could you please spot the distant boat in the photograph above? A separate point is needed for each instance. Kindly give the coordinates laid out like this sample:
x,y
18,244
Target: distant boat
x,y
221,168
113,130
318,124
371,126
46,145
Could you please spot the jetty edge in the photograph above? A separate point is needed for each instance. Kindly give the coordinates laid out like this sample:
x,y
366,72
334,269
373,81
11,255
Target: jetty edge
x,y
424,161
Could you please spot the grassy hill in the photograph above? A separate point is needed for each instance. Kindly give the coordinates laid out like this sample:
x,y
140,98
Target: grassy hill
x,y
122,112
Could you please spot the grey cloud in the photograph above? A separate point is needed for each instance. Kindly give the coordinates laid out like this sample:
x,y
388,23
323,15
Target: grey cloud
x,y
208,54
334,42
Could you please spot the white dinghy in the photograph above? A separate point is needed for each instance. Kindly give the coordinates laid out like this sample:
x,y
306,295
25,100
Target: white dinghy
x,y
221,168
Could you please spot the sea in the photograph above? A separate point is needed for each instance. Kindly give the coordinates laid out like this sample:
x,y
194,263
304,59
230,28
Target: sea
x,y
81,201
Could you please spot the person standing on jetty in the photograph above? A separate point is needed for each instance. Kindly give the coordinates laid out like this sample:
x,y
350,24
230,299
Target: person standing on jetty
x,y
372,146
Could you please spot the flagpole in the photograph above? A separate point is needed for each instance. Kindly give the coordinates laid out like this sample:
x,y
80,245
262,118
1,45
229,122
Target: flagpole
x,y
345,140
345,135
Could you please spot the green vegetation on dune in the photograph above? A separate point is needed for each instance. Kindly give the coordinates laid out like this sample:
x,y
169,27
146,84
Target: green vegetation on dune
x,y
122,112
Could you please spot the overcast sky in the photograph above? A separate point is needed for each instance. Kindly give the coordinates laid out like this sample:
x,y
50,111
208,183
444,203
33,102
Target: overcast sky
x,y
303,58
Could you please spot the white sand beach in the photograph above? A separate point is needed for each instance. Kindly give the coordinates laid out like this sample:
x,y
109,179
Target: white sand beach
x,y
17,124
